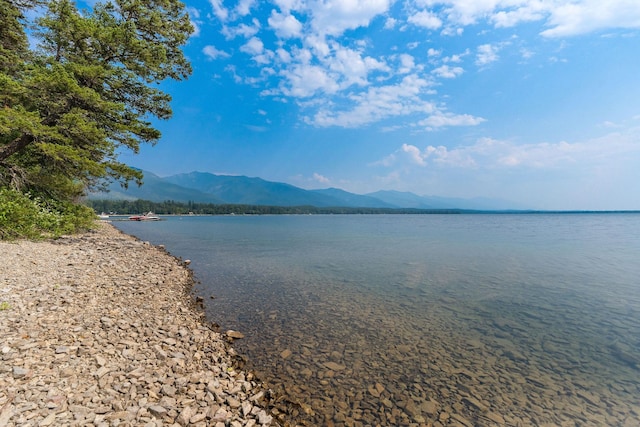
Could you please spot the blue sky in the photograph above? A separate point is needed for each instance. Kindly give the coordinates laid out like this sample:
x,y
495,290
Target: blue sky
x,y
534,101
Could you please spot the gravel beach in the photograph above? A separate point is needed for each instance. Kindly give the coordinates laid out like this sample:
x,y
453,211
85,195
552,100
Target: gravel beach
x,y
100,329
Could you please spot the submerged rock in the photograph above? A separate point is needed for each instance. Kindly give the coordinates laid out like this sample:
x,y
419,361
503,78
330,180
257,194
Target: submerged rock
x,y
234,334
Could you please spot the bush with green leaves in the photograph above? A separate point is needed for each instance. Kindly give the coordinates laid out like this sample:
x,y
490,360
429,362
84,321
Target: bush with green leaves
x,y
25,217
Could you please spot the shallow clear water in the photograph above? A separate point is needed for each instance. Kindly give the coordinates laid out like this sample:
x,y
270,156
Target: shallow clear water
x,y
401,319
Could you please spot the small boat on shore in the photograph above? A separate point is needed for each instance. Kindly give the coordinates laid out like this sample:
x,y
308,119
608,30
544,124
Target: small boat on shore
x,y
149,216
103,216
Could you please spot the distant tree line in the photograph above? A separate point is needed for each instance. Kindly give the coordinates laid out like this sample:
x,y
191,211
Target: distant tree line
x,y
171,207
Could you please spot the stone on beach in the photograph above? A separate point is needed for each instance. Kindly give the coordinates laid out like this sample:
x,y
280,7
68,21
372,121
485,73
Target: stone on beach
x,y
101,330
234,334
334,366
285,353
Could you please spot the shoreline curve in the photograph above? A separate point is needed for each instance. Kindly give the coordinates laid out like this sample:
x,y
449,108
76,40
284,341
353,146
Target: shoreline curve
x,y
100,328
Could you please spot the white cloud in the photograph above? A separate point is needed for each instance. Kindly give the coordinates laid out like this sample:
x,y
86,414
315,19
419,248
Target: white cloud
x,y
355,82
425,19
303,56
244,7
378,103
288,5
461,12
231,69
486,54
333,17
352,67
253,47
510,18
387,161
552,155
445,119
443,156
304,80
318,44
331,67
283,55
244,30
407,63
409,155
468,12
264,59
452,31
564,18
219,10
321,179
526,53
447,72
414,154
194,17
456,58
390,23
489,153
285,26
212,53
575,18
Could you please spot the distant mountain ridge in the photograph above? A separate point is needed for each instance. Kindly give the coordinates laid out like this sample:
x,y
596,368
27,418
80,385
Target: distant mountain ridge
x,y
203,187
250,191
156,189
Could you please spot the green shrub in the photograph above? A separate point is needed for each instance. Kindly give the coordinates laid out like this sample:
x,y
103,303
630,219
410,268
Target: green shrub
x,y
23,216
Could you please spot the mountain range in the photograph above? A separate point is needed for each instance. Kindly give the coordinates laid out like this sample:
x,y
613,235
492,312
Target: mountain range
x,y
205,187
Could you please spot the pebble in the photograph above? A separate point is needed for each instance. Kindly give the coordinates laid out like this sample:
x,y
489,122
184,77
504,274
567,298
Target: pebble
x,y
350,357
101,330
234,334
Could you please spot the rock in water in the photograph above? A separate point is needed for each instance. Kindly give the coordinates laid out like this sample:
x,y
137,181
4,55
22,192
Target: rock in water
x,y
234,334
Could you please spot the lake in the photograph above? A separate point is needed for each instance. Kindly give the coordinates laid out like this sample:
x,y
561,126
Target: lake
x,y
472,319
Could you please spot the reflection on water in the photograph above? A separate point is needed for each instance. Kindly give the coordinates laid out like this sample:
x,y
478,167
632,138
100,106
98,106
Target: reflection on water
x,y
429,320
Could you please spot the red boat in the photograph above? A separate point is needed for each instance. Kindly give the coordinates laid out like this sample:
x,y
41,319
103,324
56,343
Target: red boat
x,y
150,216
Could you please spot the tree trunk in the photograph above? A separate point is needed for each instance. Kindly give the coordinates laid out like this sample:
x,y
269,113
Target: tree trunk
x,y
14,146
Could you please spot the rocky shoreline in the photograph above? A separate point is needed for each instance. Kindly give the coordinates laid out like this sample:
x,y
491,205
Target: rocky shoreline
x,y
100,329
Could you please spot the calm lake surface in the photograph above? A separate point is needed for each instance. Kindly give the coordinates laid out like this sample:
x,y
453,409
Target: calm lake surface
x,y
427,319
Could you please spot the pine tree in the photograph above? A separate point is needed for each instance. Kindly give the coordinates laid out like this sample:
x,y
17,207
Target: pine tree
x,y
88,89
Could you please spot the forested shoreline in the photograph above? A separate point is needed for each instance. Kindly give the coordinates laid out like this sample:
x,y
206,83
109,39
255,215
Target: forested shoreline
x,y
170,207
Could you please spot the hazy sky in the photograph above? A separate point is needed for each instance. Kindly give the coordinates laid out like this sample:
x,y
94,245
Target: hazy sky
x,y
534,101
